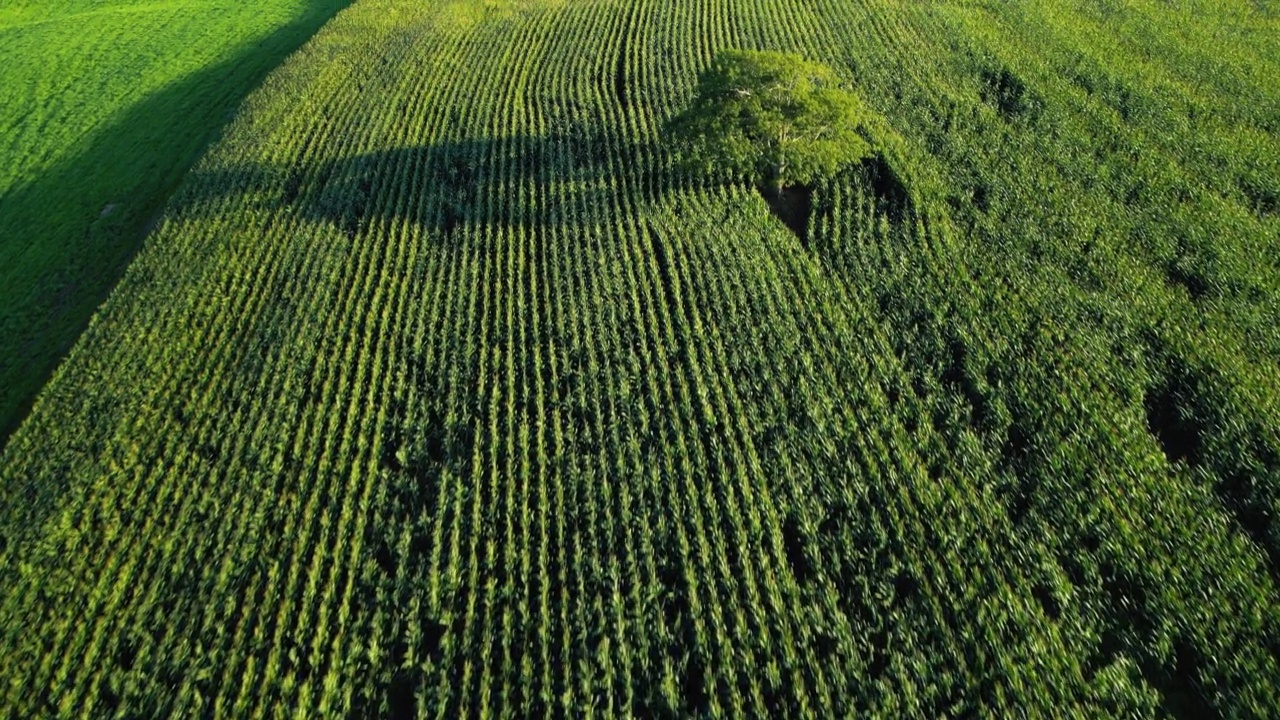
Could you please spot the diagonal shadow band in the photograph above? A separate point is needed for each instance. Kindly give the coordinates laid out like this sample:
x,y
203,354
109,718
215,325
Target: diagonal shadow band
x,y
68,234
550,181
519,180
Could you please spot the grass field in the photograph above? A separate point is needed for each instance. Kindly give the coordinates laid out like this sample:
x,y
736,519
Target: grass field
x,y
437,391
104,105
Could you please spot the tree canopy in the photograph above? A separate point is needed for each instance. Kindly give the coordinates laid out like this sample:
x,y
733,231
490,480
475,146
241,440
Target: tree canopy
x,y
776,117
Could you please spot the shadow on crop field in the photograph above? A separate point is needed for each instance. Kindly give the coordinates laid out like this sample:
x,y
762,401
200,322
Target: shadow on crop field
x,y
523,180
68,234
552,181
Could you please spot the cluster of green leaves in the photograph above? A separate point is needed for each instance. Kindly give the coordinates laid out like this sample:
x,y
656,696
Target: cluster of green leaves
x,y
773,117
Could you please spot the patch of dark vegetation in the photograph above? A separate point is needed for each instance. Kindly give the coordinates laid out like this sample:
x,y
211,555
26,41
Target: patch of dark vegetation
x,y
1008,94
793,206
1180,273
458,174
826,644
957,377
1188,415
879,664
171,674
1238,493
838,517
1044,595
1264,200
108,702
126,654
1177,679
777,702
461,441
457,178
910,422
1077,568
402,699
209,452
296,660
620,78
905,588
859,557
886,186
392,687
1169,419
434,446
450,218
1179,685
323,175
385,557
647,702
978,197
1128,597
1019,503
797,556
1016,447
693,684
292,186
1106,653
664,263
675,606
420,538
1125,102
967,205
677,613
392,452
1273,644
1083,77
419,448
893,394
433,632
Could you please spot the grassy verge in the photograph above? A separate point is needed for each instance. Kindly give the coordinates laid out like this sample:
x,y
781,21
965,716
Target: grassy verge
x,y
103,107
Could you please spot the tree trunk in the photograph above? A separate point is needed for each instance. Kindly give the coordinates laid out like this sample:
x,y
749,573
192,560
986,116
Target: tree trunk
x,y
773,185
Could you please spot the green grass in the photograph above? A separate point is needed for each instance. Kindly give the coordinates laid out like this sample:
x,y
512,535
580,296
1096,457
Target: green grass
x,y
438,391
103,107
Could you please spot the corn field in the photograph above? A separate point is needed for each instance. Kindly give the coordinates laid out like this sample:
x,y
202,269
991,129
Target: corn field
x,y
440,392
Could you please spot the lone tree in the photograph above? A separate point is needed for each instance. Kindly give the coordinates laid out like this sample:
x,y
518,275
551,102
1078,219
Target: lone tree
x,y
778,118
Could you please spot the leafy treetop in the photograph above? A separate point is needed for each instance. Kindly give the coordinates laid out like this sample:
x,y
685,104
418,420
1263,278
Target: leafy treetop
x,y
777,117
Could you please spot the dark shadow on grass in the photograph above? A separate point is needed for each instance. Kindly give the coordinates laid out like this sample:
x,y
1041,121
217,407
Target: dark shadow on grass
x,y
67,241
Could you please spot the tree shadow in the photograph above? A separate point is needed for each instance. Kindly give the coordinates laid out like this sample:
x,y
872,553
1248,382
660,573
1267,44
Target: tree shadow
x,y
792,206
553,181
69,233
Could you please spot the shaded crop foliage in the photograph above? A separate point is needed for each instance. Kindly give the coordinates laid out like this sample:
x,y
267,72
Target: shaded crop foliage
x,y
442,390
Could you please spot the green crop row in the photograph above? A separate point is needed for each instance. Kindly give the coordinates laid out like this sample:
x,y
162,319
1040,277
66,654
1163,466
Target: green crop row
x,y
438,392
